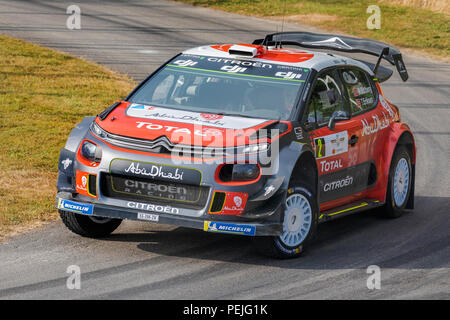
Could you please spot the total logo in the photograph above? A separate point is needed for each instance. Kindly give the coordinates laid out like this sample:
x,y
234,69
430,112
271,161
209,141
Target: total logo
x,y
177,130
288,75
331,165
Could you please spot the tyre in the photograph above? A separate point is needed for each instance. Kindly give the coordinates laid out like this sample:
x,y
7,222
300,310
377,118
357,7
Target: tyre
x,y
299,226
89,226
399,183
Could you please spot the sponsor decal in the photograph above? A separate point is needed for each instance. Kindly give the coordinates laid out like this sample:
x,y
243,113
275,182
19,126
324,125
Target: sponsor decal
x,y
268,190
76,207
338,184
160,190
212,226
148,216
82,183
387,107
298,132
233,69
359,91
240,62
364,101
331,145
204,132
134,186
196,118
143,107
185,63
288,75
247,68
155,171
66,163
152,207
234,203
375,125
210,116
331,165
344,182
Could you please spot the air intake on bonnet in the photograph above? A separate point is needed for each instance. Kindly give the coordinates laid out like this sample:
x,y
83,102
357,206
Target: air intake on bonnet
x,y
239,50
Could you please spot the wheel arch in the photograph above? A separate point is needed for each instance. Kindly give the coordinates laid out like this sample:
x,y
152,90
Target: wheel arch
x,y
401,136
78,133
305,170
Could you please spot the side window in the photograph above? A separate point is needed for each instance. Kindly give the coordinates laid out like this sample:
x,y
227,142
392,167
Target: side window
x,y
360,92
326,98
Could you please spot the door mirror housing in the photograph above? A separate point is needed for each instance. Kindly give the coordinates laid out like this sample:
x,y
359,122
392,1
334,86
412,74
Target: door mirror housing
x,y
339,115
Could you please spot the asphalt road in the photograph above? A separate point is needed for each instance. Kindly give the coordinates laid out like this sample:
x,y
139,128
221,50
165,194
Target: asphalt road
x,y
160,262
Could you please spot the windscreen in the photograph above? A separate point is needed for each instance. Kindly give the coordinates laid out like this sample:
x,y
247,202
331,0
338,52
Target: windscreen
x,y
224,86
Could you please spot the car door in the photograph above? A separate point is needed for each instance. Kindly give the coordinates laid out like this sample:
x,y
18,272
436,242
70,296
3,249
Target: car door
x,y
336,150
363,99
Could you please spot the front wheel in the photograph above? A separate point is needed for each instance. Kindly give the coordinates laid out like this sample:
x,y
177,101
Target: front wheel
x,y
299,226
89,226
399,183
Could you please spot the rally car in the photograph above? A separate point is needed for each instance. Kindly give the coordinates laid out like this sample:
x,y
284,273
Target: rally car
x,y
264,139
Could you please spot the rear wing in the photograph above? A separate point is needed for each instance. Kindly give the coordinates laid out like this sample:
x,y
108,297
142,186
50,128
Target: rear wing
x,y
339,43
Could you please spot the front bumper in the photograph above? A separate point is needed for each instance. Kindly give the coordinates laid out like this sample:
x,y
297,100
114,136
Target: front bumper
x,y
66,202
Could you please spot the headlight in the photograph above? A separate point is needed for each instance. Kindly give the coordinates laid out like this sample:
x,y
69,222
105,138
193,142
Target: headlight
x,y
91,152
95,128
252,148
245,172
239,172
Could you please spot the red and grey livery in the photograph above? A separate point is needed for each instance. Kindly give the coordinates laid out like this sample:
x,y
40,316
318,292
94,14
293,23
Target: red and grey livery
x,y
250,139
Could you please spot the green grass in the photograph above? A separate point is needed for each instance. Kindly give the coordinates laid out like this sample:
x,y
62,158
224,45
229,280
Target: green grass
x,y
403,26
43,95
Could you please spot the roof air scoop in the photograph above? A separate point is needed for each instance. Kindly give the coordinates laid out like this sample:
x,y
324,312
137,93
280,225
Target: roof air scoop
x,y
245,51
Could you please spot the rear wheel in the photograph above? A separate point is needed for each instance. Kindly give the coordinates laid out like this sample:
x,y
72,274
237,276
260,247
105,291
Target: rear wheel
x,y
399,183
89,226
299,225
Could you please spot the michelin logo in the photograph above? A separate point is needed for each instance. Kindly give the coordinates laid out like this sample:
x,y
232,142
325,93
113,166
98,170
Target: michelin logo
x,y
246,230
76,207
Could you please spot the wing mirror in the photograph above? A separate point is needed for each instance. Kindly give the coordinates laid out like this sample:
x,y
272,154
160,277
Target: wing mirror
x,y
338,115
